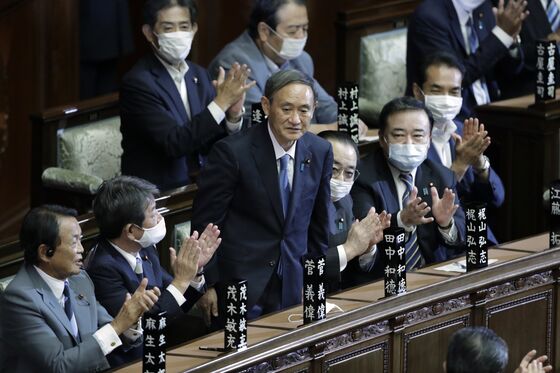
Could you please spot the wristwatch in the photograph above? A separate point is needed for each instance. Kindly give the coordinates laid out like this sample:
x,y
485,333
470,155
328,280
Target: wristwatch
x,y
485,165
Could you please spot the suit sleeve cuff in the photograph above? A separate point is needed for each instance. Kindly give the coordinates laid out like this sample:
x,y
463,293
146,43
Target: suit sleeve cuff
x,y
107,339
198,285
503,36
342,258
366,260
179,298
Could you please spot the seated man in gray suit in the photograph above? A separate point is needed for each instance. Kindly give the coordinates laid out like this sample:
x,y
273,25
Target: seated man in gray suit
x,y
50,320
275,40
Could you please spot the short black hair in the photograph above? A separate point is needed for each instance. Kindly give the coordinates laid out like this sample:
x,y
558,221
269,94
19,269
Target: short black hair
x,y
401,104
266,11
153,7
476,349
41,226
282,78
439,59
341,137
121,201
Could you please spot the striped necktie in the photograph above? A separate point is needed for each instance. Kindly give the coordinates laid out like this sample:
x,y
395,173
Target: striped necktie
x,y
553,15
69,311
412,250
284,183
473,45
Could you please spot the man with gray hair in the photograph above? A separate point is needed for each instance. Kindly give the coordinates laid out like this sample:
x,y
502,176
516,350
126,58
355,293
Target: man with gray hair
x,y
268,190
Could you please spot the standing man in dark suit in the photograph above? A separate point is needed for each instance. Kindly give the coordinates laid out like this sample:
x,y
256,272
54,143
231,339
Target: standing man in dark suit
x,y
50,320
399,179
479,39
171,112
130,227
457,145
348,238
268,190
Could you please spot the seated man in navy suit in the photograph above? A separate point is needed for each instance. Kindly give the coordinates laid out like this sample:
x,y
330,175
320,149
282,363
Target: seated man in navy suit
x,y
275,39
171,112
349,239
480,38
130,227
460,149
419,193
50,320
268,188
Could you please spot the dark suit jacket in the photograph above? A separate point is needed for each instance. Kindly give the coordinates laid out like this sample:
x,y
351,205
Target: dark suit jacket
x,y
238,191
470,189
536,26
160,142
375,187
434,26
341,219
113,279
36,333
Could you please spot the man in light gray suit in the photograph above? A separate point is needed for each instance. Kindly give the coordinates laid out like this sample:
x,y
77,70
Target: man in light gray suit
x,y
275,40
50,320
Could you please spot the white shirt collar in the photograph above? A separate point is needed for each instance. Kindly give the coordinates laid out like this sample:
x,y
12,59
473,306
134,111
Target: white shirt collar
x,y
176,74
279,150
396,172
272,66
462,13
130,258
56,285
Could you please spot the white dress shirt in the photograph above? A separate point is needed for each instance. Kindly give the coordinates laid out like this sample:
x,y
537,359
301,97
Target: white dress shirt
x,y
106,337
279,153
178,77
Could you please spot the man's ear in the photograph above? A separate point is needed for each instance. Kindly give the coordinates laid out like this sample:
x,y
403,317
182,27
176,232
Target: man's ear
x,y
265,102
195,27
263,31
417,91
149,35
42,253
127,232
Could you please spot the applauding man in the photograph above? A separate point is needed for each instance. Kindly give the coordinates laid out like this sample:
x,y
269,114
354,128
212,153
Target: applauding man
x,y
419,194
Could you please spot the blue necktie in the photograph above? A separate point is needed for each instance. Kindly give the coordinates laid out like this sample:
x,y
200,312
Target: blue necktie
x,y
68,310
473,45
553,15
412,250
284,183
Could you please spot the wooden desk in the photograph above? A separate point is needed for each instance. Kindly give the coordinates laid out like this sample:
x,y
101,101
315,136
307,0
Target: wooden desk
x,y
533,244
517,297
525,152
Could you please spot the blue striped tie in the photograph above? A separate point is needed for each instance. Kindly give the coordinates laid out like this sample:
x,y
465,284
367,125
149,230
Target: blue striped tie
x,y
553,14
284,183
412,250
473,45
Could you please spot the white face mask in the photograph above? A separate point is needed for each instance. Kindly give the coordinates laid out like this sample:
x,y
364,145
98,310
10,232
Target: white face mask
x,y
152,236
407,157
444,108
340,189
291,48
174,47
470,5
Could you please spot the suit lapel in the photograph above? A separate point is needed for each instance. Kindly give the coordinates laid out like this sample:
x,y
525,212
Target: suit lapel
x,y
169,90
148,268
455,24
123,264
302,163
82,311
50,300
263,154
422,181
387,184
192,83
